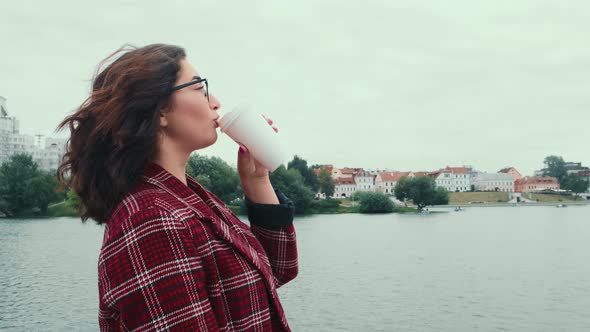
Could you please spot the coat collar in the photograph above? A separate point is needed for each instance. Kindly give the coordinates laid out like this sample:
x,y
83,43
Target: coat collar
x,y
208,208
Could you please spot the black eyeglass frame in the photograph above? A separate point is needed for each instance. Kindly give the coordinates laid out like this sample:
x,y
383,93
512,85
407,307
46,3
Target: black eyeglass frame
x,y
193,82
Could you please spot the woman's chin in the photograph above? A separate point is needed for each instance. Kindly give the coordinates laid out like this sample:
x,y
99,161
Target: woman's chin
x,y
213,139
205,144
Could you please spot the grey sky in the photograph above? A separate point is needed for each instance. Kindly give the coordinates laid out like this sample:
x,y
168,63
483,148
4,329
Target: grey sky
x,y
407,85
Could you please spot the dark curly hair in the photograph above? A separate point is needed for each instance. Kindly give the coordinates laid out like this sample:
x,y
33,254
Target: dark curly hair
x,y
114,133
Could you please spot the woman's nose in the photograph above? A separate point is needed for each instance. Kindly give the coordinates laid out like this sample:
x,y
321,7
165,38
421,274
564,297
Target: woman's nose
x,y
214,102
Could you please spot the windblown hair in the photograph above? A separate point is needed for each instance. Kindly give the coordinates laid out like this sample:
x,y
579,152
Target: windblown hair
x,y
114,133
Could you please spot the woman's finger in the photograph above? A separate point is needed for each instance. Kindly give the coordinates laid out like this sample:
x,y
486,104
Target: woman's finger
x,y
269,120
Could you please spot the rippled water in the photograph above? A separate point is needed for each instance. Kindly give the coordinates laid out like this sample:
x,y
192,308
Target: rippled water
x,y
489,269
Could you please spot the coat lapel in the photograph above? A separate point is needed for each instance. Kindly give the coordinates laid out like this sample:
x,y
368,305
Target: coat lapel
x,y
210,209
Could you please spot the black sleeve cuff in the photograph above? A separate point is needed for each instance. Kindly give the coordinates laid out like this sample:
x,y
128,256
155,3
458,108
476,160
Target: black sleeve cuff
x,y
271,216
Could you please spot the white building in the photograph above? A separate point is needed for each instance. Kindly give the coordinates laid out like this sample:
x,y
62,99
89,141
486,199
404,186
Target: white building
x,y
8,127
493,182
385,181
344,187
453,179
46,152
365,181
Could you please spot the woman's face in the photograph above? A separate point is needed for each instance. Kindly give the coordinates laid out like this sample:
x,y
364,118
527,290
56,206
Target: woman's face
x,y
191,122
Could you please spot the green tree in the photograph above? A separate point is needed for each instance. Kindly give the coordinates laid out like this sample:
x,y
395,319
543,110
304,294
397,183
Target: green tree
x,y
575,183
555,167
291,183
326,182
73,199
310,179
421,190
441,196
375,203
216,175
42,190
15,175
204,180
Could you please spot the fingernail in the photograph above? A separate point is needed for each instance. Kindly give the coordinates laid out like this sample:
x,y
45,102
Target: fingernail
x,y
241,149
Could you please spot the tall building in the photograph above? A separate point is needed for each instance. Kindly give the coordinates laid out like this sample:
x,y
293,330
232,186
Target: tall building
x,y
8,127
47,152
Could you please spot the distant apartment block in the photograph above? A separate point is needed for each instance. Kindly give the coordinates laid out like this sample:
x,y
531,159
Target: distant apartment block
x,y
47,152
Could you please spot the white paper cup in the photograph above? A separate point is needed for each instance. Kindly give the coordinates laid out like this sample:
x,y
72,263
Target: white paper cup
x,y
251,130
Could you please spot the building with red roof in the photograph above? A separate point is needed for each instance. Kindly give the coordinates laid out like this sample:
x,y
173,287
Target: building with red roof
x,y
536,183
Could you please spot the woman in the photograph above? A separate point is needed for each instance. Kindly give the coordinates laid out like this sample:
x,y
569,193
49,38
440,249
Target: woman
x,y
174,257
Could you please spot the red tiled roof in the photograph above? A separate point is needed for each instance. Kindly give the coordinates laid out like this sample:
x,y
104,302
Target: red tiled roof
x,y
536,180
347,170
457,170
434,174
342,181
421,173
392,176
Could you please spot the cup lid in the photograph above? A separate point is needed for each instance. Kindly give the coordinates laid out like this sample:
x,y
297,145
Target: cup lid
x,y
226,120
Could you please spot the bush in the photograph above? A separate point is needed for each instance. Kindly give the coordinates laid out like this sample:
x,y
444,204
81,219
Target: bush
x,y
375,203
325,206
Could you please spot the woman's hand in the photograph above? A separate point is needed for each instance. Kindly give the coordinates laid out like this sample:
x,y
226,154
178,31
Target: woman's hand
x,y
255,177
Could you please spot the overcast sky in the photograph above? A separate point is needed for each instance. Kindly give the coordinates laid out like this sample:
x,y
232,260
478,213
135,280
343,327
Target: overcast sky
x,y
405,85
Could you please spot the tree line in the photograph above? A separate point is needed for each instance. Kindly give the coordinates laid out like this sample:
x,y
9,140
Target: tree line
x,y
23,186
555,166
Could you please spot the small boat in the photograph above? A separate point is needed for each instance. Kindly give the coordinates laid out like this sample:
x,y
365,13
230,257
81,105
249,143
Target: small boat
x,y
561,205
458,208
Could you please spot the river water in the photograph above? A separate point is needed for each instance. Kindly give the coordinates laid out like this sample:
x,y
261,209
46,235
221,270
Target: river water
x,y
486,269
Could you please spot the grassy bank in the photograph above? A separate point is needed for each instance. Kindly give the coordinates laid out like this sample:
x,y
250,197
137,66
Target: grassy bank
x,y
332,206
54,211
487,197
548,198
318,207
502,197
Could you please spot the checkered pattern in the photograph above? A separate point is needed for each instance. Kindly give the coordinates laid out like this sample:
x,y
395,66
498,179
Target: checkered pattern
x,y
175,258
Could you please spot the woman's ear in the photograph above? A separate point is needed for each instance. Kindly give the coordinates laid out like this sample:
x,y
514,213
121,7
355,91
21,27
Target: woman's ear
x,y
163,120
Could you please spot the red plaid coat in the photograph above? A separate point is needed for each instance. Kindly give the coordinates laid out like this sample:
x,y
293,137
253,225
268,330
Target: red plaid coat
x,y
175,258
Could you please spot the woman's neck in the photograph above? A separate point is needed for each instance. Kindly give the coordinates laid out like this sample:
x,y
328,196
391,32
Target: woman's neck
x,y
173,161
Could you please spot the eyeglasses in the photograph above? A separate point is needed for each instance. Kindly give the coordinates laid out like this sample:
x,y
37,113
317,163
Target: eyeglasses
x,y
203,84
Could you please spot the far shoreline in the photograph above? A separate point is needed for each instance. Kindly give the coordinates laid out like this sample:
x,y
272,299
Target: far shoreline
x,y
56,212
